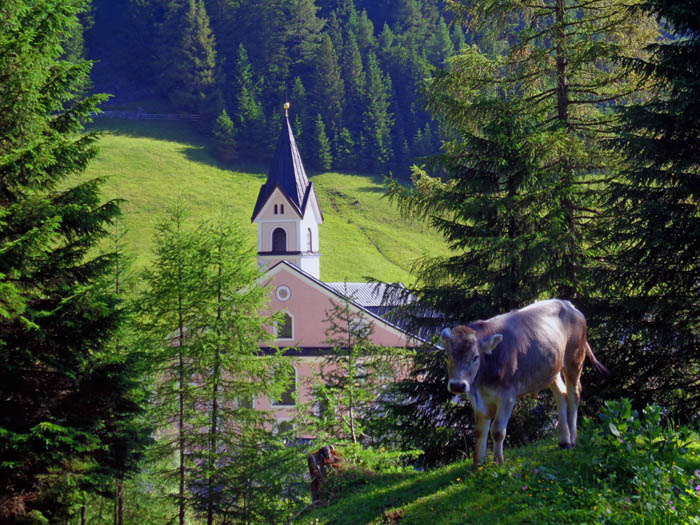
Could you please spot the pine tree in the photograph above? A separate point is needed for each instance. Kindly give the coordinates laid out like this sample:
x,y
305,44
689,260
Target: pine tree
x,y
66,401
302,120
458,38
365,33
649,316
345,150
377,120
323,158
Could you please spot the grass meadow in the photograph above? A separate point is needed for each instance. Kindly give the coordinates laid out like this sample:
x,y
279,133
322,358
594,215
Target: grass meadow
x,y
150,164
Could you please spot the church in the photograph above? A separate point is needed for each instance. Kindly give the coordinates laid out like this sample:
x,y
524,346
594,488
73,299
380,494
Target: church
x,y
289,220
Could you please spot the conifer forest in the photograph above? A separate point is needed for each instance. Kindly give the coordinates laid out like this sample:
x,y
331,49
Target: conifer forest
x,y
553,146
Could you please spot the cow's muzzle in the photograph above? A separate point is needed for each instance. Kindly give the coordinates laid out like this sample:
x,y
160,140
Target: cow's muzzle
x,y
458,387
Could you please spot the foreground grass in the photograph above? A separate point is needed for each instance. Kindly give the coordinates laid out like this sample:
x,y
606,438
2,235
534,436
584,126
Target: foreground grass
x,y
539,484
149,164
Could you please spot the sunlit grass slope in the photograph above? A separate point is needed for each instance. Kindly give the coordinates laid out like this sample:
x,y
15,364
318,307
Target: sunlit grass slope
x,y
539,484
150,164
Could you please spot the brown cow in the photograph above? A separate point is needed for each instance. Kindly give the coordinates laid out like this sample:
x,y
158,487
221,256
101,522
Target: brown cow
x,y
494,362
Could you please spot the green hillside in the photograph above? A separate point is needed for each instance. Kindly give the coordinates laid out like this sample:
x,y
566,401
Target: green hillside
x,y
150,163
640,482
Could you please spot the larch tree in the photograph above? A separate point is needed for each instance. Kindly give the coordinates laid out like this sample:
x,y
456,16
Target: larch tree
x,y
66,404
229,369
168,311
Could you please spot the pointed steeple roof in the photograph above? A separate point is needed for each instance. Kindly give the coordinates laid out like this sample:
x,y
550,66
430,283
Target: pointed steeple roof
x,y
287,173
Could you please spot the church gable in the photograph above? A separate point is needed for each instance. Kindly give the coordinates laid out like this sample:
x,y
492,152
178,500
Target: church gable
x,y
308,301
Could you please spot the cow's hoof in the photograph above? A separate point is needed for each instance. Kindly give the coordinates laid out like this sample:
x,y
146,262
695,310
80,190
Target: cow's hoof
x,y
564,445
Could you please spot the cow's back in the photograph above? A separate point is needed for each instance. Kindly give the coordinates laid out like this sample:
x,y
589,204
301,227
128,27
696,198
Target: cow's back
x,y
532,352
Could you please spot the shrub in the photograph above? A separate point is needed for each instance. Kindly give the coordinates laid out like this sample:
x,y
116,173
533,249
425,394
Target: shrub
x,y
646,459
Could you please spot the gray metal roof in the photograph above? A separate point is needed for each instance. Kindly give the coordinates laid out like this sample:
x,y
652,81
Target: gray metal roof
x,y
367,295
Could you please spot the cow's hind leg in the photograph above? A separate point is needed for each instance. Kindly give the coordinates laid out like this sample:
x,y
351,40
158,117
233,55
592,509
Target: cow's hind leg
x,y
481,432
558,388
573,398
498,429
573,366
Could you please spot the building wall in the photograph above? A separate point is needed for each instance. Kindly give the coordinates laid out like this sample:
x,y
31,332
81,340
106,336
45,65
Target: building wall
x,y
308,304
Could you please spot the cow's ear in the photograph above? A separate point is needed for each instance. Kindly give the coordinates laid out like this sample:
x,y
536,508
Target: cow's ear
x,y
487,344
445,337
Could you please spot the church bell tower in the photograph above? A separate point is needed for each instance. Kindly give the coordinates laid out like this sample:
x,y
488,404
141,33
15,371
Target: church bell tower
x,y
287,211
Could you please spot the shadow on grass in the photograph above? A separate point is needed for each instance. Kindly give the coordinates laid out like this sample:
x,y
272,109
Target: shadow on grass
x,y
197,148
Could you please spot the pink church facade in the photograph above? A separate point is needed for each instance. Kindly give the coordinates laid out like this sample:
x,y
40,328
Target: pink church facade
x,y
288,216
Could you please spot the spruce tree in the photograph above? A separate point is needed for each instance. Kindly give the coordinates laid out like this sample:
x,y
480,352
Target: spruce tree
x,y
440,46
563,62
322,155
224,137
194,72
66,404
377,120
353,72
248,115
649,315
328,87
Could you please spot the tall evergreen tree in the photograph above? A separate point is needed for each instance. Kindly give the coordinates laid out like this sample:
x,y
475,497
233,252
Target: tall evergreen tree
x,y
169,308
248,115
66,406
328,88
322,155
229,371
651,323
440,46
377,119
563,63
355,79
193,74
224,137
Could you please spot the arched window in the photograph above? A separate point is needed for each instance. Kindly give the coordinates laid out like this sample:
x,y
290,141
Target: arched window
x,y
275,209
310,240
284,327
282,209
279,240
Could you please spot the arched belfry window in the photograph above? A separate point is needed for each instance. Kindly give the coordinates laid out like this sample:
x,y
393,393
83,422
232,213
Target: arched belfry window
x,y
279,240
310,240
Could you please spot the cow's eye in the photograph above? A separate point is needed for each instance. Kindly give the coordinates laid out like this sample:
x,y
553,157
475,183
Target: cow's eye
x,y
476,358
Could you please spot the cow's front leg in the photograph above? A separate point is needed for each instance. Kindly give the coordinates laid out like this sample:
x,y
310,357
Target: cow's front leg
x,y
481,431
500,423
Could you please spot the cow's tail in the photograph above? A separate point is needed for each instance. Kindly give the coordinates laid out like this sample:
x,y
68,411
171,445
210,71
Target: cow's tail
x,y
600,368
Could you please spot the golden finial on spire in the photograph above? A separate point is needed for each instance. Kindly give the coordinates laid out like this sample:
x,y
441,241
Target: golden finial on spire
x,y
286,109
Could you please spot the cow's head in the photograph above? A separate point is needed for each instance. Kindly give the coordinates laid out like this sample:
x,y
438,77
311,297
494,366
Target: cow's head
x,y
464,353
